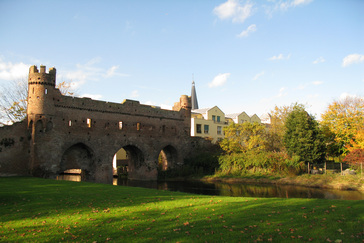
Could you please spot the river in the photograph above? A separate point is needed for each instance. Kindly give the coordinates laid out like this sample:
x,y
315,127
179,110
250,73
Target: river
x,y
236,190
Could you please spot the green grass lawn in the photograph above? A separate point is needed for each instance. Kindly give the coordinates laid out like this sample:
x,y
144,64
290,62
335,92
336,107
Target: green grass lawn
x,y
40,210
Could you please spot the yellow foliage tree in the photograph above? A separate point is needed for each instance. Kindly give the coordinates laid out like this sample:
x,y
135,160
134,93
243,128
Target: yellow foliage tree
x,y
345,119
244,137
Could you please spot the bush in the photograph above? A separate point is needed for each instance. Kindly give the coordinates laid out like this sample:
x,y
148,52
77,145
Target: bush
x,y
262,163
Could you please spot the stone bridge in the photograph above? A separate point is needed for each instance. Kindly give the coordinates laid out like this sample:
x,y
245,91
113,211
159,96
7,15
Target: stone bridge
x,y
63,132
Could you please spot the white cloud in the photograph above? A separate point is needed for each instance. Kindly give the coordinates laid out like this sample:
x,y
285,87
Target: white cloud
x,y
317,82
92,96
283,5
303,86
319,60
300,2
232,9
282,92
111,71
352,58
13,71
252,28
219,80
257,76
89,71
134,94
345,95
280,57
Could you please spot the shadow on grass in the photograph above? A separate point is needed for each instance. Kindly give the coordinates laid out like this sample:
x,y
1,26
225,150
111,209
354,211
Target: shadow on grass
x,y
46,210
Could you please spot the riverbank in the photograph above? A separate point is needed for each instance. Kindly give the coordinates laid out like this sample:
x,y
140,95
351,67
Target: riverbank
x,y
41,210
328,181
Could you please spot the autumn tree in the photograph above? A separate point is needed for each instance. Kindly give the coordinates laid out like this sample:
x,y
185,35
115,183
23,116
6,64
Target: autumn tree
x,y
244,137
355,158
345,119
13,99
303,137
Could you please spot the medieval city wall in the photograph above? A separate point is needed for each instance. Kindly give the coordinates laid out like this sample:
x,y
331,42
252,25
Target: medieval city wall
x,y
14,150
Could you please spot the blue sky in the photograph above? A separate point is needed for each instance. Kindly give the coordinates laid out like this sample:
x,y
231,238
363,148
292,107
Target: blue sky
x,y
244,55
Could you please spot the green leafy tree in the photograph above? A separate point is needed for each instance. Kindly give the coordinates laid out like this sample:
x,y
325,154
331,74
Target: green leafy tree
x,y
276,128
244,137
303,137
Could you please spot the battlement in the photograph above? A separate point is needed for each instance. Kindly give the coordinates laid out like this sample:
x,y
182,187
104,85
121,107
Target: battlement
x,y
34,69
41,77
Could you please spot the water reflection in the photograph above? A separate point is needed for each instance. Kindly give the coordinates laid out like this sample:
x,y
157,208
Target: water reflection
x,y
69,177
235,190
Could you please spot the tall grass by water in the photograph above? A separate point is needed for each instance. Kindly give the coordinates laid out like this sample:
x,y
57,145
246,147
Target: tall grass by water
x,y
40,210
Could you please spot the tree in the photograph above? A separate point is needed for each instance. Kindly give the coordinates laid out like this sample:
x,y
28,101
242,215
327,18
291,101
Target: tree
x,y
356,158
13,100
277,129
303,137
344,118
244,137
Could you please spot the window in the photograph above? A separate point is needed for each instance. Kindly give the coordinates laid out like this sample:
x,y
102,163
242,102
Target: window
x,y
219,130
69,123
46,91
206,128
213,118
198,128
120,125
218,118
138,126
89,122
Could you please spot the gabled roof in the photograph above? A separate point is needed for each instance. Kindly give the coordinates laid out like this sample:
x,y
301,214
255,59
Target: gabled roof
x,y
234,115
200,111
205,110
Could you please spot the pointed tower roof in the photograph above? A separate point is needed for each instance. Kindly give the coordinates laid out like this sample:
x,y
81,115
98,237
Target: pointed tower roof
x,y
194,97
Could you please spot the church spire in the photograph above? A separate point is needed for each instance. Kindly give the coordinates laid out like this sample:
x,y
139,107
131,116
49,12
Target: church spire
x,y
194,96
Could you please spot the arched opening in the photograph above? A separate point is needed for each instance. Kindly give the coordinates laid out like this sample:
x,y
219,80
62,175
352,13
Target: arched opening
x,y
76,163
120,164
127,160
167,158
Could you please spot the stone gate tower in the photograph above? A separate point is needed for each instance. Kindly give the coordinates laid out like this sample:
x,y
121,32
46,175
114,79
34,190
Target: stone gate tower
x,y
40,110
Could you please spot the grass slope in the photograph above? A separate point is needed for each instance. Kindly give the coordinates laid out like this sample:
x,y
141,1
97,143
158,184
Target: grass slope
x,y
40,210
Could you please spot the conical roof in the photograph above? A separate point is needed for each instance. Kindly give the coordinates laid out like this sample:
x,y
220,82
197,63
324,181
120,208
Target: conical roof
x,y
194,97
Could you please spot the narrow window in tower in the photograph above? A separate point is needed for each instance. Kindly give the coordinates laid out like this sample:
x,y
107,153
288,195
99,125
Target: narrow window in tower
x,y
46,91
138,126
88,122
33,90
69,123
120,125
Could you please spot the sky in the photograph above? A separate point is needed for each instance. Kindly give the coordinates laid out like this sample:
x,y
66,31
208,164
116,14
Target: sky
x,y
243,55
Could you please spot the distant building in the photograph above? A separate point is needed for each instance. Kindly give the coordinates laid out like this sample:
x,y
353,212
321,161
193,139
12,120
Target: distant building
x,y
210,122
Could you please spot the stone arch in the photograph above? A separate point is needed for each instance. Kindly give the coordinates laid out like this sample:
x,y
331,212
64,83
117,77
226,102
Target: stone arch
x,y
168,158
78,156
135,158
